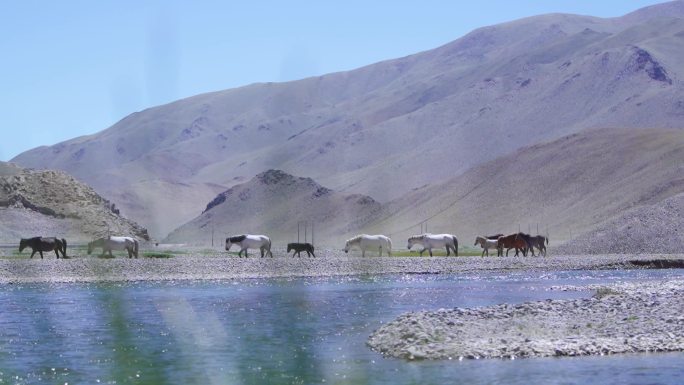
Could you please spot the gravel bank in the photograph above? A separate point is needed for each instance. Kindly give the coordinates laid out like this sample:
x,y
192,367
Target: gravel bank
x,y
624,318
330,262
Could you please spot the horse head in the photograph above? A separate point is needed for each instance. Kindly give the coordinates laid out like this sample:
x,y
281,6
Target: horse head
x,y
22,244
289,247
228,244
346,247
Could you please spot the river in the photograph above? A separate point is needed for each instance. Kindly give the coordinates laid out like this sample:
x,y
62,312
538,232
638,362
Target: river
x,y
298,330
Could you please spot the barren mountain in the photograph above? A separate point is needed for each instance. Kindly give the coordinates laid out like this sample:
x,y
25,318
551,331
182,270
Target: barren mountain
x,y
272,203
390,127
565,187
52,203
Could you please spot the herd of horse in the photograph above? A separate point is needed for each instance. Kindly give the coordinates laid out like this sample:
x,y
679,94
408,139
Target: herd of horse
x,y
521,242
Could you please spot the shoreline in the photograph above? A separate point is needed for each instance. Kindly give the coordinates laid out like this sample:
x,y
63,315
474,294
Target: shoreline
x,y
332,263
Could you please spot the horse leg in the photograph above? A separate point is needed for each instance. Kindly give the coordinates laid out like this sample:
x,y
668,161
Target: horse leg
x,y
56,252
379,251
41,253
421,252
363,253
430,250
34,251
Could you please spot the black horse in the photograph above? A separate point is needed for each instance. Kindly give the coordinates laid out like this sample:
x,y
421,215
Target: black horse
x,y
299,247
41,244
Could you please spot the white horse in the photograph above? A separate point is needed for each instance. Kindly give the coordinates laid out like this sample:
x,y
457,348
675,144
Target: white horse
x,y
487,244
430,241
248,241
369,242
108,244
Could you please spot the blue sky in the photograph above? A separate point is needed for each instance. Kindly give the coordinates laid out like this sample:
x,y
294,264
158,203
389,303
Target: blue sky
x,y
71,68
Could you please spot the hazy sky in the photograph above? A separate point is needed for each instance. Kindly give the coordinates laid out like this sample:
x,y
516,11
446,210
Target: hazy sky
x,y
70,68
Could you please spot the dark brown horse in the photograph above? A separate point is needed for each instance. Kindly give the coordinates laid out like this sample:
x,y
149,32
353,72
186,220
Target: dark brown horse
x,y
299,247
540,243
41,244
514,241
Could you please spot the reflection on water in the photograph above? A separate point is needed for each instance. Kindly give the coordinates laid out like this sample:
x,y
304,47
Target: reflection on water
x,y
310,330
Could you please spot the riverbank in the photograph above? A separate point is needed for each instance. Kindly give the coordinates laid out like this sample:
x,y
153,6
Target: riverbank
x,y
329,263
621,318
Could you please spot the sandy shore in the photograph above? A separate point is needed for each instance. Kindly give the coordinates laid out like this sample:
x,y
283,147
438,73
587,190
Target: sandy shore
x,y
197,267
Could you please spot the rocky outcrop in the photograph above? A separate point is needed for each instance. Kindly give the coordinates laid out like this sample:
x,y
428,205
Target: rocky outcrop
x,y
56,197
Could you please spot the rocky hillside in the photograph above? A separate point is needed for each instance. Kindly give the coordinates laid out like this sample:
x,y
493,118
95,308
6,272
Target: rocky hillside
x,y
566,187
390,127
272,203
656,228
48,203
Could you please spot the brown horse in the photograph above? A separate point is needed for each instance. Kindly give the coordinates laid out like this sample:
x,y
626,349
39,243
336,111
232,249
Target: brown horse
x,y
41,244
514,241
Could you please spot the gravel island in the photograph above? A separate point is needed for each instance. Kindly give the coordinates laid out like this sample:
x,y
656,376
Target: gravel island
x,y
621,318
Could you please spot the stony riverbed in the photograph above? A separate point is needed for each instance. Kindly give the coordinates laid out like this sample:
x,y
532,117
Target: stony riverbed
x,y
329,262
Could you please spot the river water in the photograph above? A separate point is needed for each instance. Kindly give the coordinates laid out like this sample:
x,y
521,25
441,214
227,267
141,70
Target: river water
x,y
289,331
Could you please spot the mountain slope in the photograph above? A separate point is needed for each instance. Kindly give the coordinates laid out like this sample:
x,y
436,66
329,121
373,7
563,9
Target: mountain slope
x,y
566,187
47,203
382,129
656,228
273,203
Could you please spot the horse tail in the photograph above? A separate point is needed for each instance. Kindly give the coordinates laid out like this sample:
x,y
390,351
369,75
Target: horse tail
x,y
64,245
135,247
455,245
547,240
389,246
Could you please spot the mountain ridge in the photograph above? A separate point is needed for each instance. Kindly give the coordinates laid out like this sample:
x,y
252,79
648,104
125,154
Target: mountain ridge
x,y
485,95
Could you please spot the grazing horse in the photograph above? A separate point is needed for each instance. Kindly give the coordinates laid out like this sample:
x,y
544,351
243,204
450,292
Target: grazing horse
x,y
41,244
108,244
515,241
430,241
487,244
369,242
299,247
248,241
540,243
